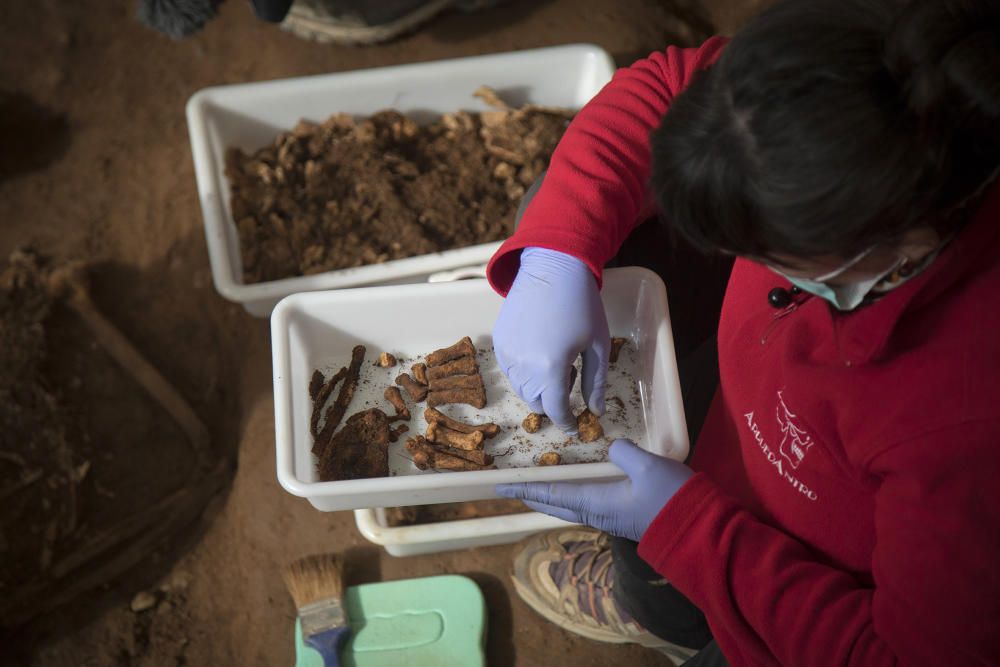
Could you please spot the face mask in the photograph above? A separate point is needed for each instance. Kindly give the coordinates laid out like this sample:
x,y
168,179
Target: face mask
x,y
843,297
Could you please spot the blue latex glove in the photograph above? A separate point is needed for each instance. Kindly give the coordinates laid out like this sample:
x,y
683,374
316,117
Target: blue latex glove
x,y
552,314
624,508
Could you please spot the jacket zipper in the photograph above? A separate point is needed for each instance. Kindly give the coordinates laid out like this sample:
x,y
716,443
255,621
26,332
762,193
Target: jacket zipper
x,y
780,315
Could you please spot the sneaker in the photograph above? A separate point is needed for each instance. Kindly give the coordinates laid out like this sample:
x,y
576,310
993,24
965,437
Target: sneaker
x,y
567,576
364,21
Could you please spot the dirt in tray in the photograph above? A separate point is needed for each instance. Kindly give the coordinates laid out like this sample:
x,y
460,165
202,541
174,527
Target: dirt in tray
x,y
359,450
420,514
346,193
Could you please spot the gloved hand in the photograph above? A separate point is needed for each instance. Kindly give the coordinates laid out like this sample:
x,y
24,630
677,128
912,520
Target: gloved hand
x,y
552,314
624,508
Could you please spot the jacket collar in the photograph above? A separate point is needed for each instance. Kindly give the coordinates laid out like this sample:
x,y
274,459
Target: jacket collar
x,y
863,336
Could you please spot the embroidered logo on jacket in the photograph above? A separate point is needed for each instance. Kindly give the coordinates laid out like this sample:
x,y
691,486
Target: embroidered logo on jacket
x,y
794,446
796,442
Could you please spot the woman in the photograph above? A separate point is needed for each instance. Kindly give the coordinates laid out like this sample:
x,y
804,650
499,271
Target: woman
x,y
839,507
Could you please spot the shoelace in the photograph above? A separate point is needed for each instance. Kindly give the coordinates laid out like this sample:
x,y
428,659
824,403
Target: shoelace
x,y
589,562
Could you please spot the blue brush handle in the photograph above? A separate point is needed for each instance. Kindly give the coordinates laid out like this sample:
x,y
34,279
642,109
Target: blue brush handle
x,y
329,644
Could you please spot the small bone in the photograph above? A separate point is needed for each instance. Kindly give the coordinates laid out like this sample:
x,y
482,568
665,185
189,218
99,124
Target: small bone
x,y
477,456
490,97
414,445
589,426
427,456
417,391
394,433
386,360
422,460
457,382
616,348
395,398
462,366
419,372
421,450
532,422
549,459
463,348
489,430
444,461
474,397
442,435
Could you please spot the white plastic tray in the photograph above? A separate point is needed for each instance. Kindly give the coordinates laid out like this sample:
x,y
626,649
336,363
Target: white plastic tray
x,y
249,116
310,331
431,538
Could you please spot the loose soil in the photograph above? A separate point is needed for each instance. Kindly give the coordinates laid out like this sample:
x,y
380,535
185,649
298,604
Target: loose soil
x,y
420,514
346,193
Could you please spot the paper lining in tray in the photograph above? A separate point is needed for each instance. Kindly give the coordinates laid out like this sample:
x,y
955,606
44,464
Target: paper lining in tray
x,y
513,447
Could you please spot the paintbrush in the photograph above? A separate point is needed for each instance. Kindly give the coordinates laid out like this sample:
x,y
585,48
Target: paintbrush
x,y
316,584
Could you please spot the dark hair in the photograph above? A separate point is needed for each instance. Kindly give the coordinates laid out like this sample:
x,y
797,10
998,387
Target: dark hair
x,y
828,126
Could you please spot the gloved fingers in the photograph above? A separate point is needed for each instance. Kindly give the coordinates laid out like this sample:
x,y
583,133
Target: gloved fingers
x,y
514,490
595,374
535,406
629,456
552,510
569,496
505,364
555,401
521,383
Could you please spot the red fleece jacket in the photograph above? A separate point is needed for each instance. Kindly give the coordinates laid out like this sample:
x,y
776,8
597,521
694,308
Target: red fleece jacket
x,y
844,510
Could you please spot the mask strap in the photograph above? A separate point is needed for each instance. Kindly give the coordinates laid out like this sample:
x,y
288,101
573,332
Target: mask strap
x,y
845,267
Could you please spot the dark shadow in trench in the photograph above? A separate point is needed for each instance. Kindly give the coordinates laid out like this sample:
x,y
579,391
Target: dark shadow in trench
x,y
198,342
31,135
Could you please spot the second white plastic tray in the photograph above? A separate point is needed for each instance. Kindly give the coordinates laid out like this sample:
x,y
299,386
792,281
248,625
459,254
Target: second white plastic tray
x,y
250,116
310,330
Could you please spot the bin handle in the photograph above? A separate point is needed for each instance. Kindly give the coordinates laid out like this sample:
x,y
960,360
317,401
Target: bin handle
x,y
464,273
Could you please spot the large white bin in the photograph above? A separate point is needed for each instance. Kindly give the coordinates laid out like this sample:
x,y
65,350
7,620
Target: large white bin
x,y
249,116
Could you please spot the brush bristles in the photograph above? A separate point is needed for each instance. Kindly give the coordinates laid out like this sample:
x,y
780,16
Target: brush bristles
x,y
315,578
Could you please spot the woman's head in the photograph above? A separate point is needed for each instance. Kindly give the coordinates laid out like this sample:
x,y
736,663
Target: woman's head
x,y
831,127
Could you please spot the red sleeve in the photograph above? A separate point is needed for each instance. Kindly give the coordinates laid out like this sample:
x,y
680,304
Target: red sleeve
x,y
936,594
596,187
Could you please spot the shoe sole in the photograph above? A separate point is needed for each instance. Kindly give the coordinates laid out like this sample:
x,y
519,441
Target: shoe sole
x,y
303,22
520,577
677,654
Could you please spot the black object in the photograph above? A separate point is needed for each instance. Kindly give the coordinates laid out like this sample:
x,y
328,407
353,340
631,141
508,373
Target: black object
x,y
177,18
34,136
273,11
780,297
